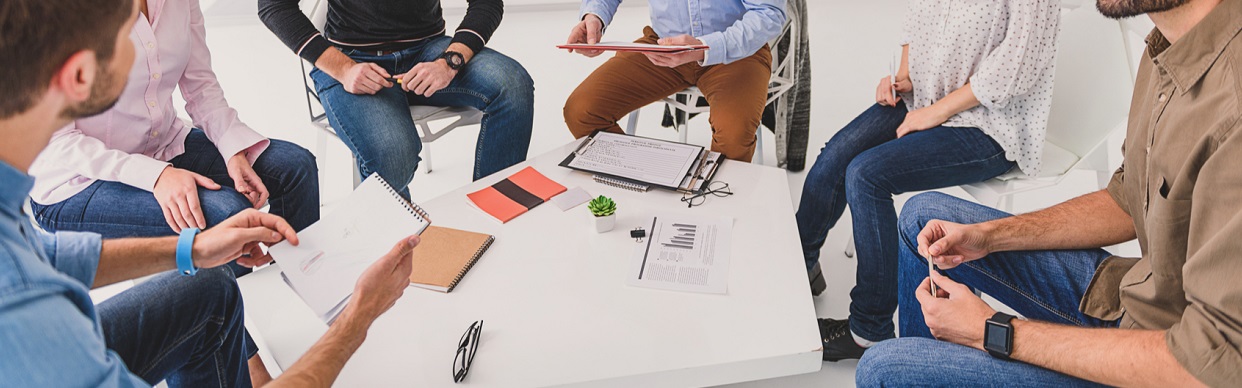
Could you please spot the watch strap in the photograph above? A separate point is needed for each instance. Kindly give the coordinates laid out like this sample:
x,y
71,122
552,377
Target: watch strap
x,y
185,246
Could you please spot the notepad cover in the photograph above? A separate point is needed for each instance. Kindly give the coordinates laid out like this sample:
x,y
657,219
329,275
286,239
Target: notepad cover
x,y
444,256
515,195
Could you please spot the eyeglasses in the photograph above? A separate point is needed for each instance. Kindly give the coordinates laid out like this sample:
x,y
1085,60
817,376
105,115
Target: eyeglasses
x,y
466,348
719,189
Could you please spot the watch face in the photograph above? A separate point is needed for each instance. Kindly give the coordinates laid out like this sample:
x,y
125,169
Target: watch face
x,y
996,337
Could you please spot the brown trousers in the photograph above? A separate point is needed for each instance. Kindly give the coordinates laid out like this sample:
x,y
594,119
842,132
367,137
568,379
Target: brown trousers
x,y
736,92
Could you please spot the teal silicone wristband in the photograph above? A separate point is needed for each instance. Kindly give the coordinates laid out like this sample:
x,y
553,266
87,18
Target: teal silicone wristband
x,y
185,245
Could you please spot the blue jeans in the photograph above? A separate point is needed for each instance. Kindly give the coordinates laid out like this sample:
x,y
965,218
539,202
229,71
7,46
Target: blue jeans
x,y
383,137
186,330
865,165
1044,286
118,210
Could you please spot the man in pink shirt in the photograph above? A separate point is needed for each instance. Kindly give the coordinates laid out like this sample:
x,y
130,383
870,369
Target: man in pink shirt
x,y
138,170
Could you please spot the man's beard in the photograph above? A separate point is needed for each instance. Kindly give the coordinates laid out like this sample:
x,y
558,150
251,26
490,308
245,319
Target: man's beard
x,y
1120,9
103,96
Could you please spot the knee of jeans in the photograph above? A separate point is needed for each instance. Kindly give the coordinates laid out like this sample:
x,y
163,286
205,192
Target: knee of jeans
x,y
213,285
294,156
516,85
888,363
919,210
866,176
219,205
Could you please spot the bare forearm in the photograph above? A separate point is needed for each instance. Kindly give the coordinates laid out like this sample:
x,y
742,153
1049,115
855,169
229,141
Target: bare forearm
x,y
321,365
334,62
1127,358
1090,221
132,258
957,102
903,71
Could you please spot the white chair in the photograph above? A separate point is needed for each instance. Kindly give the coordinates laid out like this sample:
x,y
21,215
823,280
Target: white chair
x,y
423,115
1090,103
684,102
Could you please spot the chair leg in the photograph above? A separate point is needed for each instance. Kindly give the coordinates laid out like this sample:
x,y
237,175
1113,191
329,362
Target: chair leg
x,y
849,248
632,126
357,175
758,159
427,151
321,153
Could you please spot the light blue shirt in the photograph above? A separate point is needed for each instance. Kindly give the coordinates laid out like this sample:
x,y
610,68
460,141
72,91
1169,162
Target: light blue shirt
x,y
732,29
49,333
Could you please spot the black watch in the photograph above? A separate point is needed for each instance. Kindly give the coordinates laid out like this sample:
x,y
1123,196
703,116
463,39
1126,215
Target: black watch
x,y
454,59
998,336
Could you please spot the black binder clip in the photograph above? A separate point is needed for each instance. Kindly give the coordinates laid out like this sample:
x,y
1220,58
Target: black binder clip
x,y
638,234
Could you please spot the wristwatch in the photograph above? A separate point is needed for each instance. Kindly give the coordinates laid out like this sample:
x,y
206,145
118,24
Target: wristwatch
x,y
454,59
998,336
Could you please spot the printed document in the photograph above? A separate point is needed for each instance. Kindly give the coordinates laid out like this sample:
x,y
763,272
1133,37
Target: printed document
x,y
684,253
644,160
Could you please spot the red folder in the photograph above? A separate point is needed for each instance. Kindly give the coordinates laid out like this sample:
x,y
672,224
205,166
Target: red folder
x,y
515,195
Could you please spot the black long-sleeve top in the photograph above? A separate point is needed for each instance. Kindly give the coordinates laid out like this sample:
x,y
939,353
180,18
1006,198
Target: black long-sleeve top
x,y
377,24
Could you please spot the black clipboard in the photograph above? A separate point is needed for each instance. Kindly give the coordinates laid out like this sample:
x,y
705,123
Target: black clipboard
x,y
706,171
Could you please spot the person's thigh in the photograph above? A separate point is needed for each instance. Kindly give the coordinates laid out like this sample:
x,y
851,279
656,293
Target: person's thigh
x,y
377,128
736,93
623,84
111,209
923,362
180,328
1039,285
925,160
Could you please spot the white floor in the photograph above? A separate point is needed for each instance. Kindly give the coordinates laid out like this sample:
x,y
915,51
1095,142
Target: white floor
x,y
852,42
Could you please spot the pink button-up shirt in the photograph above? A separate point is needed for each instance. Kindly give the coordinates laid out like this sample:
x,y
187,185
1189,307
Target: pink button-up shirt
x,y
133,142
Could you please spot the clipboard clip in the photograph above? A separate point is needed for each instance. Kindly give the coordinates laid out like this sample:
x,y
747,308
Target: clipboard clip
x,y
586,144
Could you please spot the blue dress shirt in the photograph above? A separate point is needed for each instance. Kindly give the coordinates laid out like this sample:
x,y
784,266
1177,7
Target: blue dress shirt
x,y
732,29
49,332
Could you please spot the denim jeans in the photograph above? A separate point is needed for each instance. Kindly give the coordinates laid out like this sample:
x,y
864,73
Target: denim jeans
x,y
118,210
382,135
865,165
1045,286
186,330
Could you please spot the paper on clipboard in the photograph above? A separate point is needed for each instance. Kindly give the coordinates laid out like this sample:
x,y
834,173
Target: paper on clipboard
x,y
632,47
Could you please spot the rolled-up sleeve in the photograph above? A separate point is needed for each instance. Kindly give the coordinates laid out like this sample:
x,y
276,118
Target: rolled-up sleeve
x,y
1207,338
762,22
605,9
73,253
1028,50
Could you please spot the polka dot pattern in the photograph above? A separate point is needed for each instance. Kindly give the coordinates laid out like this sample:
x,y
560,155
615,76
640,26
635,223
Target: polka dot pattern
x,y
1005,49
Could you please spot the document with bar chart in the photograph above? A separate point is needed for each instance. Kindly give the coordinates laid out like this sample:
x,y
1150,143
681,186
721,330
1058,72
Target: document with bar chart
x,y
684,253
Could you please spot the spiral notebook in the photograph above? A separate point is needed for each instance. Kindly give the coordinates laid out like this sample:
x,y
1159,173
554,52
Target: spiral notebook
x,y
444,256
335,251
622,183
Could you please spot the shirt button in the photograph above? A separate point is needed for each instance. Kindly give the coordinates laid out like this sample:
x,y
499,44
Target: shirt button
x,y
155,76
154,134
1163,97
151,104
151,45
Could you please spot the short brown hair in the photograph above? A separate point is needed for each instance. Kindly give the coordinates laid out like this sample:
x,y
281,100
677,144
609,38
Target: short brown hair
x,y
38,36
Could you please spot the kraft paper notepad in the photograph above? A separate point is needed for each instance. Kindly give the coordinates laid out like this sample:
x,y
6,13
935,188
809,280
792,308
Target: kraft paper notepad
x,y
444,256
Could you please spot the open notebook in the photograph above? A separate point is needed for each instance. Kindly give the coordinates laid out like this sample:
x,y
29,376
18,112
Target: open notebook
x,y
335,251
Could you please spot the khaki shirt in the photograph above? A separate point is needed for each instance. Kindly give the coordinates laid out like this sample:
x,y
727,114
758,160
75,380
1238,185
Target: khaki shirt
x,y
1181,182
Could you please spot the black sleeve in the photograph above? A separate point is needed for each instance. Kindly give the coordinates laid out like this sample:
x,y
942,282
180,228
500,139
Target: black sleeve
x,y
292,27
482,19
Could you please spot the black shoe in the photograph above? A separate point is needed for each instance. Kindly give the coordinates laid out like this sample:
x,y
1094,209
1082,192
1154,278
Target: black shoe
x,y
838,342
817,280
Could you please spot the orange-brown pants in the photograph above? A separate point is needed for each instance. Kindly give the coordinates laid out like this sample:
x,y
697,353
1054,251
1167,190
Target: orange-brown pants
x,y
736,92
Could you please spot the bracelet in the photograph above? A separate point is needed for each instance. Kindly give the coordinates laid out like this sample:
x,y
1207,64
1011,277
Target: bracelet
x,y
185,246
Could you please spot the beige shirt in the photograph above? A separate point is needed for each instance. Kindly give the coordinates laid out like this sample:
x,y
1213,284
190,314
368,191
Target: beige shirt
x,y
1181,181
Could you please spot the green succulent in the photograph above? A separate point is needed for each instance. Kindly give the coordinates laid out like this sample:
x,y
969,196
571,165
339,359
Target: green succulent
x,y
602,206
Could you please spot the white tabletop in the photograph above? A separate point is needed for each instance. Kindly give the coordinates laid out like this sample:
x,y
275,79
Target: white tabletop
x,y
557,310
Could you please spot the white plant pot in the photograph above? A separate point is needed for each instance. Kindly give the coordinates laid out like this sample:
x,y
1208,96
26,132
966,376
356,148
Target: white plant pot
x,y
606,223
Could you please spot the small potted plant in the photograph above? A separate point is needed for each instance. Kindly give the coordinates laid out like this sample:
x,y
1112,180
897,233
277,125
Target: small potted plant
x,y
605,212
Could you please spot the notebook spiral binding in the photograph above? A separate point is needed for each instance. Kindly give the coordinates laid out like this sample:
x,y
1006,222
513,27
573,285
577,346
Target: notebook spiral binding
x,y
412,208
474,260
618,183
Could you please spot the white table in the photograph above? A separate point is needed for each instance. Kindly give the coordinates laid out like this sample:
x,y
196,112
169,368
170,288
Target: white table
x,y
556,308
